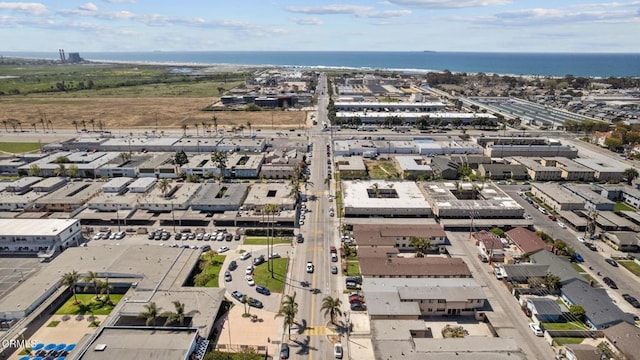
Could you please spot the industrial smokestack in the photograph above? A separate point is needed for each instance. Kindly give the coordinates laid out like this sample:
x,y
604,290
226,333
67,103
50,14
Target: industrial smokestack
x,y
64,57
61,56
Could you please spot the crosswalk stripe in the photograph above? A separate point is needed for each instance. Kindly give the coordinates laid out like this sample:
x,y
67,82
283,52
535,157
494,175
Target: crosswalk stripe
x,y
315,330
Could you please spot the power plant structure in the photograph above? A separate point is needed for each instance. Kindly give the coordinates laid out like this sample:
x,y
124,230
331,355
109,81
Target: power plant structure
x,y
72,59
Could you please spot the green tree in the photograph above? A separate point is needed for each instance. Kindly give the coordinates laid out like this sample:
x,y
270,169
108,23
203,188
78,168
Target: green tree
x,y
245,301
163,185
498,232
34,170
105,288
61,160
150,314
331,308
184,130
219,158
553,282
249,126
630,174
614,144
73,170
421,244
215,124
92,279
61,170
178,315
181,158
70,279
577,311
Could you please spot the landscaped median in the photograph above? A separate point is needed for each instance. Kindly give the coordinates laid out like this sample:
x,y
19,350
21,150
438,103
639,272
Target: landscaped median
x,y
631,265
262,240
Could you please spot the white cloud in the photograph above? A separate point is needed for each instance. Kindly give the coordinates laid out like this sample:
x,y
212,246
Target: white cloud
x,y
88,7
28,8
545,16
120,1
606,5
448,4
307,21
355,10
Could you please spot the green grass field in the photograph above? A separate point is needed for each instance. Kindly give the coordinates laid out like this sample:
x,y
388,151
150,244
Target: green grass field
x,y
382,169
620,206
577,267
262,240
18,147
353,268
212,270
262,275
88,305
574,325
631,266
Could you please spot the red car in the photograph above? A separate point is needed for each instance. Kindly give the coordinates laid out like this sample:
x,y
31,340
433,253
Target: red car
x,y
355,299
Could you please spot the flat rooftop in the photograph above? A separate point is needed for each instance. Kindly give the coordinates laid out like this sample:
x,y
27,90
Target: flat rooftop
x,y
489,196
141,343
72,193
270,193
557,192
221,194
34,227
382,194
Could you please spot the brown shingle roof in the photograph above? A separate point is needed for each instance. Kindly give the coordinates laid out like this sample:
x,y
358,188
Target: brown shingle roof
x,y
416,267
625,337
526,240
490,240
377,252
385,235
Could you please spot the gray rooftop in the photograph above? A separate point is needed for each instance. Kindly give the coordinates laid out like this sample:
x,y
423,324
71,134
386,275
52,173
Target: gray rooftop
x,y
356,194
440,193
270,193
412,163
141,343
72,193
598,306
557,192
213,194
557,265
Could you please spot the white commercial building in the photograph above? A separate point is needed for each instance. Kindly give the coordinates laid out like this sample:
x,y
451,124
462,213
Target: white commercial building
x,y
41,236
383,198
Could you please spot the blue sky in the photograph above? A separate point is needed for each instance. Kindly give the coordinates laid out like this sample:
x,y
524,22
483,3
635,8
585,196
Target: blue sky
x,y
388,25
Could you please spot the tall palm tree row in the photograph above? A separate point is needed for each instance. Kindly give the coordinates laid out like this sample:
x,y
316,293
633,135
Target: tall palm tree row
x,y
150,313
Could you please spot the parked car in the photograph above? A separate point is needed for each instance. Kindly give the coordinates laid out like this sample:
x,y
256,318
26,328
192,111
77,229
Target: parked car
x,y
227,276
352,285
580,239
334,269
238,295
357,306
631,300
223,249
255,303
299,238
205,248
612,284
245,255
233,265
562,225
250,280
536,329
355,279
178,236
590,246
274,255
611,262
356,299
249,270
577,257
263,290
258,260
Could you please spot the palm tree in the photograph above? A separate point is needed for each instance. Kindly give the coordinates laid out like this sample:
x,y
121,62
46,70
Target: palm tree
x,y
422,245
215,123
553,282
270,209
219,158
197,133
179,315
75,123
184,130
249,126
288,310
630,174
245,300
204,127
84,124
93,279
73,170
163,185
150,314
50,125
34,127
331,308
93,124
5,123
70,279
61,170
34,170
105,288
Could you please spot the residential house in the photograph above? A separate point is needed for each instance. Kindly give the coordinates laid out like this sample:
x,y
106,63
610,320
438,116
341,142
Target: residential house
x,y
622,240
502,171
521,273
582,352
527,241
490,245
623,339
599,137
398,235
545,310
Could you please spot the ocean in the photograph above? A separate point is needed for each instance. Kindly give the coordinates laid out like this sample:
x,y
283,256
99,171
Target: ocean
x,y
542,64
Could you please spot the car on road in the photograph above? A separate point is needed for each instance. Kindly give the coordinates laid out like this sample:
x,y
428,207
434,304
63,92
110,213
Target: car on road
x,y
301,222
580,239
536,329
309,267
223,249
227,276
255,303
337,351
249,270
238,295
250,280
612,284
611,262
299,238
263,290
284,351
357,306
331,212
562,225
590,246
245,256
334,269
631,300
233,265
205,247
274,255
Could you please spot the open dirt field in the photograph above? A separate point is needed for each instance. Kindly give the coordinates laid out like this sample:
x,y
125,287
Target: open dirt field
x,y
137,113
